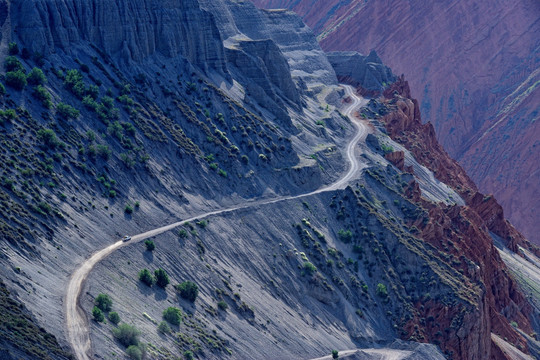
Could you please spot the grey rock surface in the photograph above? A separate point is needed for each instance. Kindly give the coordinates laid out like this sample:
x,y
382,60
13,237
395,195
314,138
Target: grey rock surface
x,y
170,28
366,71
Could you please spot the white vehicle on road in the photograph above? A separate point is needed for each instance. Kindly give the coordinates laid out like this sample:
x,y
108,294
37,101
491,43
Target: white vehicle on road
x,y
126,238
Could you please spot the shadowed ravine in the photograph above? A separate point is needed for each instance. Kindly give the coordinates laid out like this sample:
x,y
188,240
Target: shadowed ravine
x,y
76,320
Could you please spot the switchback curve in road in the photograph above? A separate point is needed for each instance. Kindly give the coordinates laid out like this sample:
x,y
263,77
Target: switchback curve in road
x,y
78,329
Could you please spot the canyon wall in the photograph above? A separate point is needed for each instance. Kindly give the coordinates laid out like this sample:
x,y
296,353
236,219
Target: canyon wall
x,y
474,69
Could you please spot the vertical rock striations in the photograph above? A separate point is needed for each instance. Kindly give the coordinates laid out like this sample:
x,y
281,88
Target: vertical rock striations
x,y
169,28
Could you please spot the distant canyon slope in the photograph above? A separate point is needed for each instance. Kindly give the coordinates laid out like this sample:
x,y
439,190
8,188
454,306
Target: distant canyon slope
x,y
475,68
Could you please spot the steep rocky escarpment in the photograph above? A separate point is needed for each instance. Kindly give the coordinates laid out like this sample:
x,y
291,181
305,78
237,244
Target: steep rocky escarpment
x,y
169,28
404,124
451,229
474,69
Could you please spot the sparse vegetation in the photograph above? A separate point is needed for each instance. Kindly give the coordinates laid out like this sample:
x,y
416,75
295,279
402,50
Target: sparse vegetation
x,y
36,77
16,79
172,315
309,268
67,112
345,235
114,318
134,352
127,334
146,277
222,305
162,279
97,314
381,290
150,246
103,302
188,290
164,328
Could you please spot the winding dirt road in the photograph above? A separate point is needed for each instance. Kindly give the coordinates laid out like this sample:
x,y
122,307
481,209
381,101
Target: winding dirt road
x,y
78,329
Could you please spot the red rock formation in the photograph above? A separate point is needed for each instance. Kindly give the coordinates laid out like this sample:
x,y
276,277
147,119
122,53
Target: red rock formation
x,y
463,233
473,66
397,158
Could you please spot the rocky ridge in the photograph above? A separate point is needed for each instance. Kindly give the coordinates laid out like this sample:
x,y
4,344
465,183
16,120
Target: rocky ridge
x,y
451,225
474,70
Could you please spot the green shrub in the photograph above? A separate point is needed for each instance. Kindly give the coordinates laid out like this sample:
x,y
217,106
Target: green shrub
x,y
16,79
387,148
222,172
150,246
48,137
36,77
2,89
134,352
182,233
164,328
74,83
8,114
112,193
309,268
126,100
128,209
381,290
162,279
43,94
97,314
114,318
514,324
90,103
345,235
335,354
188,290
13,48
172,315
104,302
103,151
67,111
222,305
188,355
202,224
127,334
146,277
92,91
11,63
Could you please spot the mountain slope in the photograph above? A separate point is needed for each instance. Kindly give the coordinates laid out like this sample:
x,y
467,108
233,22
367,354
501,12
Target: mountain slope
x,y
474,69
115,135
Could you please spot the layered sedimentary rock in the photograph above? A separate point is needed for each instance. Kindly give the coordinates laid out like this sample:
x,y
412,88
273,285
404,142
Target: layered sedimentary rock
x,y
474,68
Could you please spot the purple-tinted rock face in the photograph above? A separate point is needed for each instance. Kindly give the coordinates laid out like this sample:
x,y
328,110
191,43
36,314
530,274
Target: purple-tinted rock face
x,y
474,68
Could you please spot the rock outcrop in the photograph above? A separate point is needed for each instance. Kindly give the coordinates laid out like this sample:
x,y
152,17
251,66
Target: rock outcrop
x,y
503,302
474,69
367,73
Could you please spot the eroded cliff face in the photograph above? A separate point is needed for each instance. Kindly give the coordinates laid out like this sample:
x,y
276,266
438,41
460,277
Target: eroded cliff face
x,y
168,28
463,233
474,69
